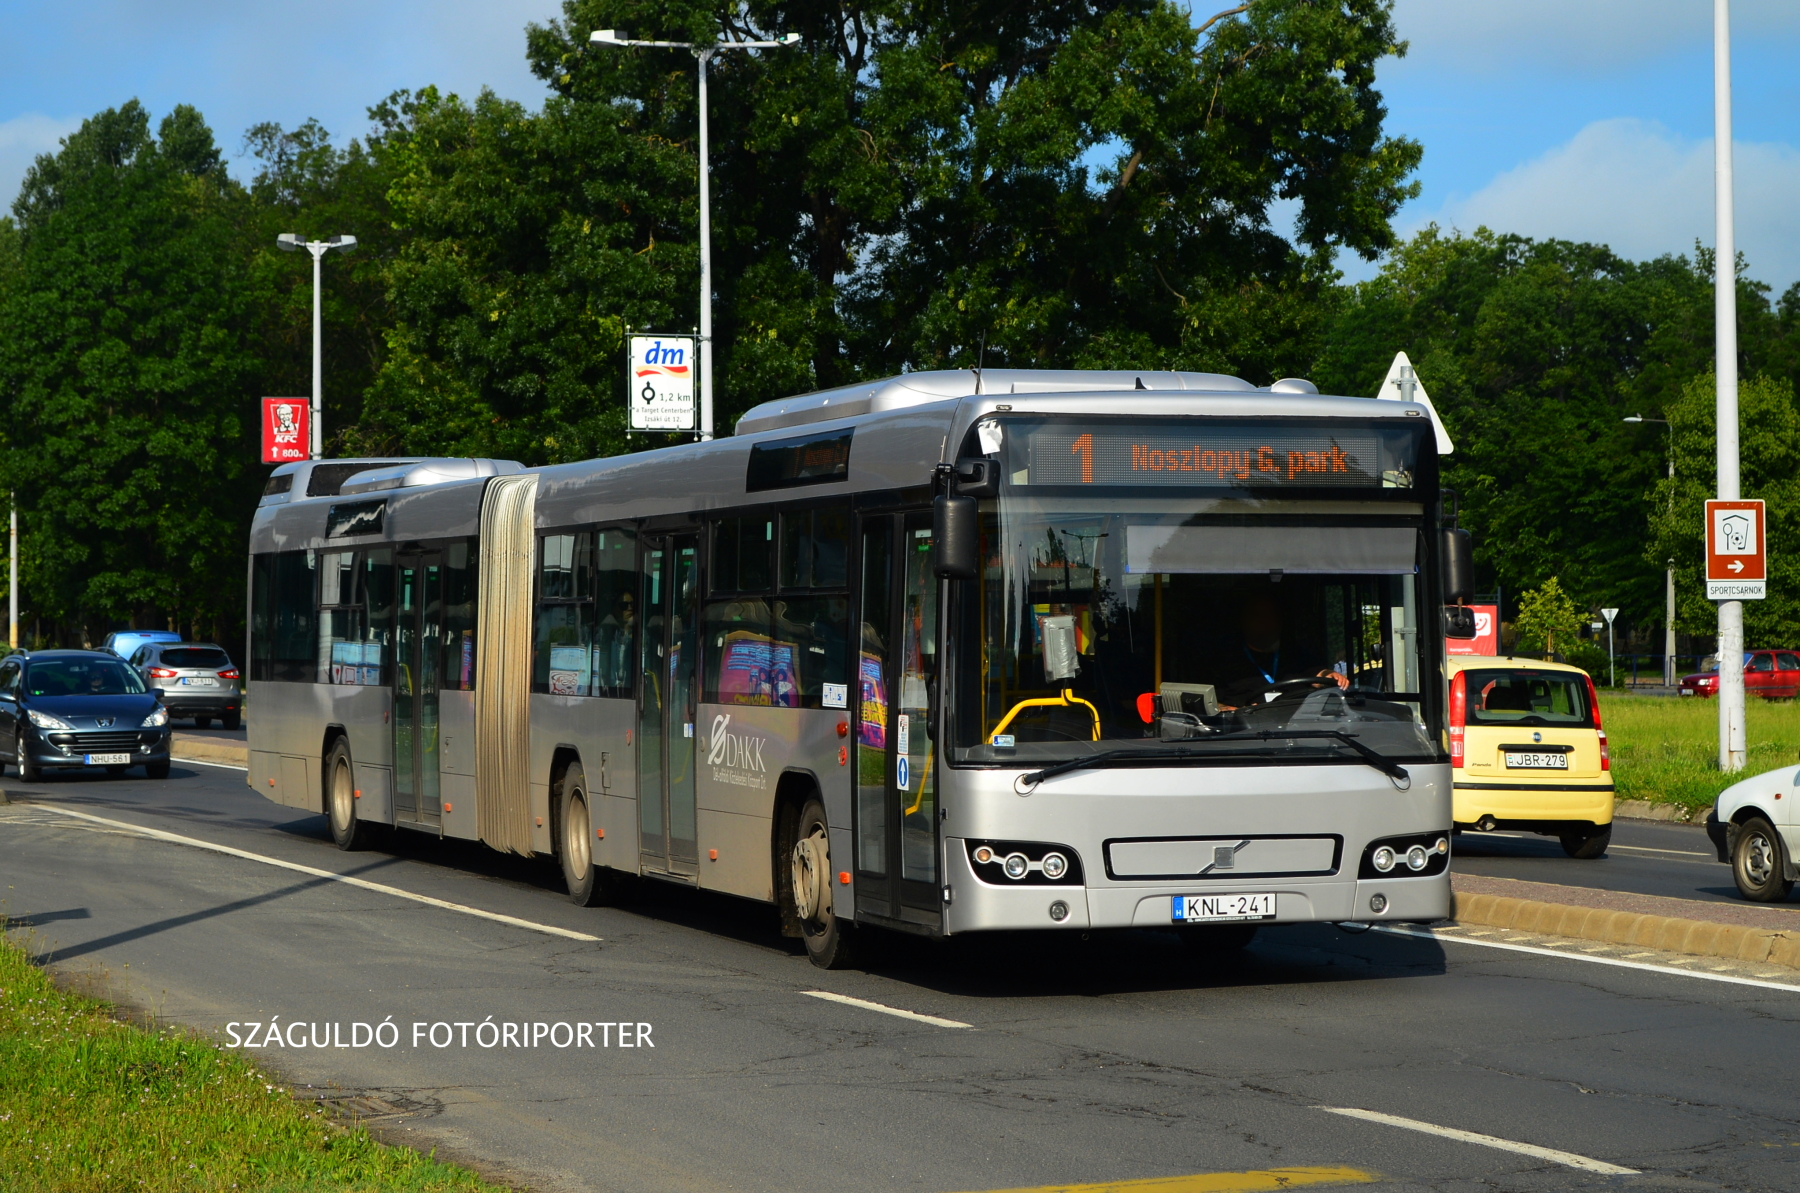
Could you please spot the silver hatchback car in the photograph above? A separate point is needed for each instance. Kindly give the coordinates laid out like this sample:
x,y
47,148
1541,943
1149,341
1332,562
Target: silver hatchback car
x,y
196,679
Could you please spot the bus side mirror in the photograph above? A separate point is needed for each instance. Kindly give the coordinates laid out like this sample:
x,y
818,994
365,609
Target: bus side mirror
x,y
1459,621
1459,567
955,529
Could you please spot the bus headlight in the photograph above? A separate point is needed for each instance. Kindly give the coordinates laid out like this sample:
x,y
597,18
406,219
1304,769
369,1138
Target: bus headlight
x,y
983,854
1054,865
1416,857
1017,864
1383,859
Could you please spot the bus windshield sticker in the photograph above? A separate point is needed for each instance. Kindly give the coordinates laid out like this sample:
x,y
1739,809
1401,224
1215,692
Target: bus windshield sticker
x,y
361,517
1057,453
805,460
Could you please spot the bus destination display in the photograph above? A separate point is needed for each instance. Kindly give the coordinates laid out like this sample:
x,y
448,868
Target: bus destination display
x,y
1230,457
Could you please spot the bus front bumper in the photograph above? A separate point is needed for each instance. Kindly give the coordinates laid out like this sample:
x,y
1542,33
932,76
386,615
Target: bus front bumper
x,y
977,906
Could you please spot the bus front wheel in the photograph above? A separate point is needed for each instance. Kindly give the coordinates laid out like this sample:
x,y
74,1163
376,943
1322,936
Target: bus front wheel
x,y
340,799
828,936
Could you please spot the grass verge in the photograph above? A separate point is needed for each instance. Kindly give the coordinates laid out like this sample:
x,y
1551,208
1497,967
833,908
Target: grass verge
x,y
1666,749
88,1103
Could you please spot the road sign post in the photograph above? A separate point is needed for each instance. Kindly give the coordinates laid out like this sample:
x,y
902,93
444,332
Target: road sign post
x,y
1612,676
659,383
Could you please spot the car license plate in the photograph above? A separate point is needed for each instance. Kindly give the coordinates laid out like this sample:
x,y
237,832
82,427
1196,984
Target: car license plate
x,y
1536,761
191,682
1200,909
108,759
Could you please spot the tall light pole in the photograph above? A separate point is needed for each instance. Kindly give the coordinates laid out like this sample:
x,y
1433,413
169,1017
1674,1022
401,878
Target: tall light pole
x,y
1669,575
704,51
292,243
1732,741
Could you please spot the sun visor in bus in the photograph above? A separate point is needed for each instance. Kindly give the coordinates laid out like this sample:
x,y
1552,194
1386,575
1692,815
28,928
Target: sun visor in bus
x,y
1291,550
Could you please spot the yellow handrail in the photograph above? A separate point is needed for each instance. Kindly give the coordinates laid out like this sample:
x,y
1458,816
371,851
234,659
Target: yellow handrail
x,y
1067,699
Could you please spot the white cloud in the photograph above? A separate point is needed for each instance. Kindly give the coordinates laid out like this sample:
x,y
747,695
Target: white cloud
x,y
22,139
1635,186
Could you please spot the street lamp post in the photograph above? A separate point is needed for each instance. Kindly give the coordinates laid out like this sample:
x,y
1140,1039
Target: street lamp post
x,y
704,52
1669,574
1733,744
292,243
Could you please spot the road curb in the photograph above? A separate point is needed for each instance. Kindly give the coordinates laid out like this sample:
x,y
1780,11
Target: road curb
x,y
189,749
1643,809
1698,938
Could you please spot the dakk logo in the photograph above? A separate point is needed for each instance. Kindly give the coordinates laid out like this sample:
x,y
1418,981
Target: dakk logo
x,y
739,751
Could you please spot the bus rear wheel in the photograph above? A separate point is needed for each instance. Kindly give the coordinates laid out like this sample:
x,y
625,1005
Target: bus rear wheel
x,y
829,938
340,800
588,884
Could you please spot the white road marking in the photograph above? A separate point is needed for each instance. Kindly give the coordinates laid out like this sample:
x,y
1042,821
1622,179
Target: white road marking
x,y
198,762
1567,1159
1678,852
159,835
1589,958
866,1005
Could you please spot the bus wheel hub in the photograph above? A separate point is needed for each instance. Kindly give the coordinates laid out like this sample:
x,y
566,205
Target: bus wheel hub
x,y
812,870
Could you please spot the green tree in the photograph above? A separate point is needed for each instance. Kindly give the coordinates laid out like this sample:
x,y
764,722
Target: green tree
x,y
1769,468
126,372
1548,620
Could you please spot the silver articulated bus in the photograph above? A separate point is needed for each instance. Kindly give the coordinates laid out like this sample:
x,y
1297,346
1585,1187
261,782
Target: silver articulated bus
x,y
950,652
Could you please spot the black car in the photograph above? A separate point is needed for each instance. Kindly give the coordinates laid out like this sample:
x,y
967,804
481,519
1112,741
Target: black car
x,y
79,709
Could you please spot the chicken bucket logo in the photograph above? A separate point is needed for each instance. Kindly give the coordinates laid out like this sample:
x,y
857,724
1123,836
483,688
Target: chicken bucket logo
x,y
736,758
287,433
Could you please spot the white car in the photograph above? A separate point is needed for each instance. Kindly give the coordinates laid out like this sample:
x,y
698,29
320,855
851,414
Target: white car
x,y
1756,830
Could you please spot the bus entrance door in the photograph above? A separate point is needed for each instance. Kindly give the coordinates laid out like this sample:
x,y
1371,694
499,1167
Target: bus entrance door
x,y
418,635
896,785
667,708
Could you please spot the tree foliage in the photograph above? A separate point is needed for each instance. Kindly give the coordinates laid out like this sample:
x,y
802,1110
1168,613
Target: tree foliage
x,y
1548,620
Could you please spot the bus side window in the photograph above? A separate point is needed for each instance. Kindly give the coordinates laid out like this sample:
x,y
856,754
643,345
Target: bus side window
x,y
340,619
615,597
815,548
563,662
741,556
378,615
460,563
284,601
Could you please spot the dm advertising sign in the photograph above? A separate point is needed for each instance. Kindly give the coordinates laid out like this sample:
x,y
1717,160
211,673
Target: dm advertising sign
x,y
659,378
1736,568
286,430
1487,634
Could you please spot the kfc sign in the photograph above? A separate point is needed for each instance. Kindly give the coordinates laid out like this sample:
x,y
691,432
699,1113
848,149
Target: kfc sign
x,y
287,430
1487,634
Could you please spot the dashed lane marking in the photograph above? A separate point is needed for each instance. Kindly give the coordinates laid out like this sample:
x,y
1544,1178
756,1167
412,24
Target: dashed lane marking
x,y
1567,1159
866,1005
1217,1182
365,884
1588,958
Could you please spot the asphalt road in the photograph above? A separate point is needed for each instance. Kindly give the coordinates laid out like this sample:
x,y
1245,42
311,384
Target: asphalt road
x,y
1115,1058
1645,857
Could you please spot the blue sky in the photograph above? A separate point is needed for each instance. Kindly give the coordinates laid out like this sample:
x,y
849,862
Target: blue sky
x,y
1589,119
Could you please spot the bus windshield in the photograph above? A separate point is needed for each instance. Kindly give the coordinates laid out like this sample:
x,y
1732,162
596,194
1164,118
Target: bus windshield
x,y
1111,623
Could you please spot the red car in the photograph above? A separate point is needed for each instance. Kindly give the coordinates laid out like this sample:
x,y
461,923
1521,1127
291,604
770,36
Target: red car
x,y
1771,674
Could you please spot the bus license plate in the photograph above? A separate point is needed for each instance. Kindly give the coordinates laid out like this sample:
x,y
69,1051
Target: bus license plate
x,y
1200,909
200,683
1536,761
108,759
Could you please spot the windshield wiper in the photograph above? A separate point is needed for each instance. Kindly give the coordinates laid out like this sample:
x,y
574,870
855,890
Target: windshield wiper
x,y
1374,758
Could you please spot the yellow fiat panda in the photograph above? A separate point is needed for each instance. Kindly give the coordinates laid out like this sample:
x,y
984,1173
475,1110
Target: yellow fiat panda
x,y
1528,753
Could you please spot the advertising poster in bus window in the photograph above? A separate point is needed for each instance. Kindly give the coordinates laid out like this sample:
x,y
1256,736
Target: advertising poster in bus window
x,y
1487,634
871,725
568,670
754,670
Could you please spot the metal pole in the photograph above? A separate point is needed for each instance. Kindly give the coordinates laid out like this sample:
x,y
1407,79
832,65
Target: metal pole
x,y
318,394
706,295
12,574
1732,744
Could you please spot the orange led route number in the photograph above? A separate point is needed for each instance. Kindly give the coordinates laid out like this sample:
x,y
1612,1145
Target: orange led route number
x,y
1225,462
